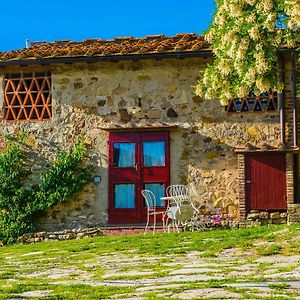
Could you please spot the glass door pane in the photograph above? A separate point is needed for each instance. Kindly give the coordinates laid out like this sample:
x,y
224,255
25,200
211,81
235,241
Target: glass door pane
x,y
124,155
154,154
124,195
158,189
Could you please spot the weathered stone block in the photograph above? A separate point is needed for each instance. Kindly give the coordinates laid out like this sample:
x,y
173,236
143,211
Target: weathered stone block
x,y
291,210
253,131
172,89
283,215
103,110
210,154
279,221
197,99
120,90
274,215
143,77
264,215
252,216
293,206
207,120
293,218
101,90
154,114
253,223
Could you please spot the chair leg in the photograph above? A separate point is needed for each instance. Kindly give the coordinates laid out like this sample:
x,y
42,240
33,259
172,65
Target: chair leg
x,y
146,228
173,224
167,224
176,225
154,222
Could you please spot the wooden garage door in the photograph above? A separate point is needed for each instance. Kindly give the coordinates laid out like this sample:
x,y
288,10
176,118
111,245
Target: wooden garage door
x,y
265,177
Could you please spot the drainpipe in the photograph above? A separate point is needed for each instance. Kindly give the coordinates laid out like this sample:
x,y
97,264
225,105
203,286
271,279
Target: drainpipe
x,y
281,102
294,103
294,108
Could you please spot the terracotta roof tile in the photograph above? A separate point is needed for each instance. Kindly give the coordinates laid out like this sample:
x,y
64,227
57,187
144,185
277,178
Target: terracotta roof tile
x,y
118,46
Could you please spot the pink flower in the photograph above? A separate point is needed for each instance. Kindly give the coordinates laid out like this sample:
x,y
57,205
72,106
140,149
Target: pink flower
x,y
217,220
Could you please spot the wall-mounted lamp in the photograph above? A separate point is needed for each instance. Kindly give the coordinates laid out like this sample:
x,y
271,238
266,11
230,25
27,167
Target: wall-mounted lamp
x,y
135,108
96,179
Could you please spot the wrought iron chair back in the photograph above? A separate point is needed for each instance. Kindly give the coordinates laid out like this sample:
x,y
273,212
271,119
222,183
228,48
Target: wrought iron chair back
x,y
180,193
150,200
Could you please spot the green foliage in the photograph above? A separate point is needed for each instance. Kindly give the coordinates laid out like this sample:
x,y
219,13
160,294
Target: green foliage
x,y
246,37
21,204
270,250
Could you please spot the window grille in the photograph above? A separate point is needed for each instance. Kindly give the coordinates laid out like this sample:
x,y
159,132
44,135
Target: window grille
x,y
27,96
266,101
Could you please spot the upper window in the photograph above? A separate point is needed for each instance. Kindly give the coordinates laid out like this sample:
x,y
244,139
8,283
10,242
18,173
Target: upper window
x,y
27,96
124,154
154,154
264,102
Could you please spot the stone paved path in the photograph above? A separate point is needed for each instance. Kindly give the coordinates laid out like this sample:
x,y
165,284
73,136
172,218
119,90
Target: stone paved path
x,y
230,275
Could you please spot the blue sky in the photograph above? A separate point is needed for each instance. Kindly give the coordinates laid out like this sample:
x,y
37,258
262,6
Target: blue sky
x,y
39,20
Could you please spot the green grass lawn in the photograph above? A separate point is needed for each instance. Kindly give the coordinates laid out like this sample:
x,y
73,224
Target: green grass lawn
x,y
84,269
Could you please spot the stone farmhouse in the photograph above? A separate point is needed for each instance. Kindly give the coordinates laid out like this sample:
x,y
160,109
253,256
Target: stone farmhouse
x,y
132,99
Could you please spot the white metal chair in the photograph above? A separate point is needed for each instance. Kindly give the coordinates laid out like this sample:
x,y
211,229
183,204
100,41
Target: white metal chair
x,y
172,209
151,209
181,209
179,195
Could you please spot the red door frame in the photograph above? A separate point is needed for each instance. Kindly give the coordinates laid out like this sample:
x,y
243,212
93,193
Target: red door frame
x,y
137,175
121,175
265,181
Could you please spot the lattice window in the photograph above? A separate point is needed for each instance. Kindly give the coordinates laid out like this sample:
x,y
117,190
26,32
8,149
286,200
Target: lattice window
x,y
27,96
264,102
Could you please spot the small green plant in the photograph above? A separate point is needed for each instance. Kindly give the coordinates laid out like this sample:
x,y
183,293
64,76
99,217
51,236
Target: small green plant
x,y
20,203
269,250
279,286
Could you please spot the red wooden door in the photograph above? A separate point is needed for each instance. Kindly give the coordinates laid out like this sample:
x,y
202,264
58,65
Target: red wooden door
x,y
137,161
265,181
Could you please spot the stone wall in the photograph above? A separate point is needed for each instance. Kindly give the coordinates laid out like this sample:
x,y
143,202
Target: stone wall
x,y
68,234
257,218
90,97
293,213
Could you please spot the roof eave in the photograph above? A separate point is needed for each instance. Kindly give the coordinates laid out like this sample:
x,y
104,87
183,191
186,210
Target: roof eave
x,y
113,58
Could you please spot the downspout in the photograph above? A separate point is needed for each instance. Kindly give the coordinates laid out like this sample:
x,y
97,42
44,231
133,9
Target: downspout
x,y
294,108
294,103
281,100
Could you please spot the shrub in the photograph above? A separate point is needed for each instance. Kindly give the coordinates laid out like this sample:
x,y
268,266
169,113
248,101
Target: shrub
x,y
22,204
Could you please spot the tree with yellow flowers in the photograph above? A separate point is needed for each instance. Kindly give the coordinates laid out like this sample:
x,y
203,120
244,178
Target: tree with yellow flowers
x,y
246,37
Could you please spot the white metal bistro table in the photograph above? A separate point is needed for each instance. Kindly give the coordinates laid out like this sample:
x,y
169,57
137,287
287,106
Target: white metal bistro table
x,y
179,213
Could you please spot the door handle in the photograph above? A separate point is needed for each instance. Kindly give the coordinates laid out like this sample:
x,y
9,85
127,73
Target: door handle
x,y
136,166
248,181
